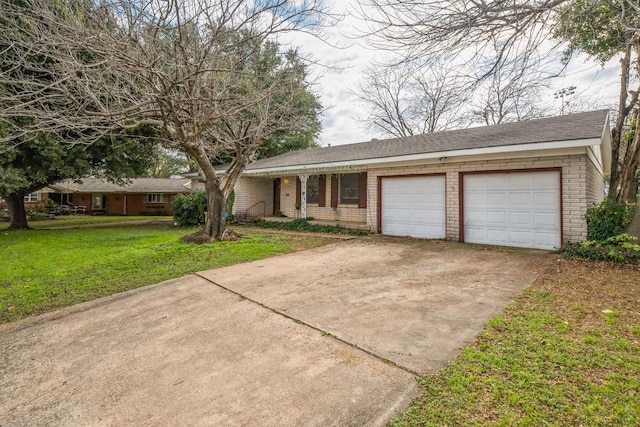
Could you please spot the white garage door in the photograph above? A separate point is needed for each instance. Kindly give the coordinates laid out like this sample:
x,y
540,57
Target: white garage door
x,y
513,209
413,206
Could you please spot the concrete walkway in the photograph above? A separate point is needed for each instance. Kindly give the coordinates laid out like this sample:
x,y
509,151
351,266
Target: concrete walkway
x,y
244,345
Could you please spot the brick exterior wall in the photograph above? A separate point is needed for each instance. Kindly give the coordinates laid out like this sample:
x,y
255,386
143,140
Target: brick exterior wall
x,y
114,204
581,185
250,192
595,184
575,178
34,205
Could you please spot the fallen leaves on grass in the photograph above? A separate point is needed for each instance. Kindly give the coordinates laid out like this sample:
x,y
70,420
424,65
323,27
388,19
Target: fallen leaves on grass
x,y
566,352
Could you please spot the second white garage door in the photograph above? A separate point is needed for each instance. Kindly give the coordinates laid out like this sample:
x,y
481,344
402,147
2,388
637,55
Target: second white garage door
x,y
512,209
413,206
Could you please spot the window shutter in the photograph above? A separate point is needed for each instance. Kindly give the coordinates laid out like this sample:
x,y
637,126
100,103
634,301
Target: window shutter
x,y
298,193
362,190
322,189
334,191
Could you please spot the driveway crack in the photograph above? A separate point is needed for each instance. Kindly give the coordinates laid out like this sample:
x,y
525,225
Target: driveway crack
x,y
315,328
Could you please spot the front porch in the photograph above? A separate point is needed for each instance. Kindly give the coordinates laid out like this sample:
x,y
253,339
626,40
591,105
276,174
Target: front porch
x,y
329,199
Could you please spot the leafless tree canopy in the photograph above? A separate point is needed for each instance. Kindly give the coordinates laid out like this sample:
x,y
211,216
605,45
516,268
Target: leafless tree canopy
x,y
470,30
165,63
466,28
405,100
411,97
512,92
198,71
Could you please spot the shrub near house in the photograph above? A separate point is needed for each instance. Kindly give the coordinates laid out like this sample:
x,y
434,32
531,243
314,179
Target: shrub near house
x,y
606,240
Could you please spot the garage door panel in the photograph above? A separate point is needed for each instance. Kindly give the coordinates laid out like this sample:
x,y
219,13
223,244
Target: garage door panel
x,y
476,233
495,217
418,212
519,198
495,198
545,239
512,209
520,218
519,181
522,238
494,181
496,237
548,198
546,180
475,217
476,198
476,185
545,219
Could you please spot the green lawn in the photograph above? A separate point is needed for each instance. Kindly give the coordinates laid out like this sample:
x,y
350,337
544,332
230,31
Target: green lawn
x,y
566,353
42,270
77,220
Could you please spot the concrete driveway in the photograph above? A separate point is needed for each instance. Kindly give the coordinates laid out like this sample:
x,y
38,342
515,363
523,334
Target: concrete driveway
x,y
330,336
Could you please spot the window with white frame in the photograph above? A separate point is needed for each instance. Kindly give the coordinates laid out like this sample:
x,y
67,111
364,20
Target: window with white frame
x,y
313,189
156,198
349,189
33,197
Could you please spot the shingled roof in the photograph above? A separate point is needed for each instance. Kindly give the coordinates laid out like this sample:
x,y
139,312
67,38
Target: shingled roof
x,y
562,128
135,185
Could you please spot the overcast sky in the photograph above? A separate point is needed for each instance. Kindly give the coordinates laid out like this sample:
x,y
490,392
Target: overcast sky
x,y
341,68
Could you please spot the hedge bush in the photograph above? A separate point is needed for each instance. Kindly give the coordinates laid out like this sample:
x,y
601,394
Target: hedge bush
x,y
303,224
620,248
608,219
188,209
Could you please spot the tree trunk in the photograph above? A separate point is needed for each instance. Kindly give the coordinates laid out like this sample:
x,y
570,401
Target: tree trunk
x,y
634,228
216,201
216,222
628,180
628,174
17,212
616,132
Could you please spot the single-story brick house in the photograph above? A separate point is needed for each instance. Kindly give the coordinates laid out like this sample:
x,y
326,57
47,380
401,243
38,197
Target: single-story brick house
x,y
139,196
524,184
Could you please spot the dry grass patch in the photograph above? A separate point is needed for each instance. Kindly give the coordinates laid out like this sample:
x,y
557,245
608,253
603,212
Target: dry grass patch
x,y
566,352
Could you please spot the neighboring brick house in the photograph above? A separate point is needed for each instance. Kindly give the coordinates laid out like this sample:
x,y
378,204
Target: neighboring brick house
x,y
33,200
139,196
524,184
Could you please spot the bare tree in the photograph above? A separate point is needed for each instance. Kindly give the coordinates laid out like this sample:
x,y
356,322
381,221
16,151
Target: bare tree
x,y
405,99
465,29
410,97
204,73
511,92
470,29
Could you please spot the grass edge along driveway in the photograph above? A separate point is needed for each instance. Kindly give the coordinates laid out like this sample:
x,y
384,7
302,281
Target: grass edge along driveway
x,y
566,352
43,270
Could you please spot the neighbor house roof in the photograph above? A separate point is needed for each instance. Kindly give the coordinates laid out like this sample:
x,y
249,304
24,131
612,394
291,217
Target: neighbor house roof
x,y
582,128
134,185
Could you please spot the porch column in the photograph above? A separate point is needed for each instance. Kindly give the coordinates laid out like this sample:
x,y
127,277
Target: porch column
x,y
303,195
